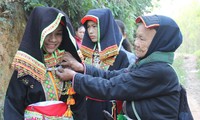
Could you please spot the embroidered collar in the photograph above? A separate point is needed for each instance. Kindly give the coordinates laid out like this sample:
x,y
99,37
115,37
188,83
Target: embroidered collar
x,y
109,36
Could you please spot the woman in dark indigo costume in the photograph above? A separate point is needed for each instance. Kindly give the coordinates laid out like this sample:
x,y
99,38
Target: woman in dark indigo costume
x,y
101,47
34,79
150,87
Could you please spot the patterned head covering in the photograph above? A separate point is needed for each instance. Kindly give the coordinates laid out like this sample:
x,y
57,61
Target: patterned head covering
x,y
109,36
29,59
168,36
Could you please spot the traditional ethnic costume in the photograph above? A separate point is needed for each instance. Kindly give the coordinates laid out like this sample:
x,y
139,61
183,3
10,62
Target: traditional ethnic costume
x,y
150,87
106,54
34,91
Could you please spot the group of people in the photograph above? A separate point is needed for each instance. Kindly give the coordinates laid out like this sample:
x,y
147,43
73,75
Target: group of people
x,y
51,80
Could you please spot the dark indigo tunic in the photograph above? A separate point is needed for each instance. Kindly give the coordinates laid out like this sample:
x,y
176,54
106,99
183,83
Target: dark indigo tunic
x,y
150,87
154,88
20,95
24,87
110,53
96,107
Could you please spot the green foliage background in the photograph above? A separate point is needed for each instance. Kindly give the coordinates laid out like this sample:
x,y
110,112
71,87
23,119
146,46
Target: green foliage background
x,y
188,18
189,22
125,10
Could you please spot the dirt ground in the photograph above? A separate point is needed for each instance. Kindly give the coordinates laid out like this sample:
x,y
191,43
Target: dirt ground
x,y
192,85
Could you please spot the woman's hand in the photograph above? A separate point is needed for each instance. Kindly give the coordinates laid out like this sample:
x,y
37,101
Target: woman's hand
x,y
70,62
65,73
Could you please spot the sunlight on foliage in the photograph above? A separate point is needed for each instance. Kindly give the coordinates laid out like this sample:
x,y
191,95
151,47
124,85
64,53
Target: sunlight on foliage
x,y
197,53
125,10
189,22
178,66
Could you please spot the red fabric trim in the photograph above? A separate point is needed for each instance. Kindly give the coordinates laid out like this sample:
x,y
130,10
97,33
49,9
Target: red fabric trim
x,y
119,106
50,110
96,99
86,18
78,41
62,23
140,19
73,81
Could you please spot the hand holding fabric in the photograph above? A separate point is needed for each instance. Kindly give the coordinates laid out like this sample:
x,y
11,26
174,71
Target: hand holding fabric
x,y
65,73
70,62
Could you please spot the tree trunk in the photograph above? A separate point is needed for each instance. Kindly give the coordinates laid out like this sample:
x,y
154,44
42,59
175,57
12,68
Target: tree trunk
x,y
12,24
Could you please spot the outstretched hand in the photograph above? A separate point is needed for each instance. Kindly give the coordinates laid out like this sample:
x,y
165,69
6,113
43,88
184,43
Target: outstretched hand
x,y
70,62
65,73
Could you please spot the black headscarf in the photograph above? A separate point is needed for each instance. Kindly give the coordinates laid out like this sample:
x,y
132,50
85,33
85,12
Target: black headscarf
x,y
29,58
109,36
168,36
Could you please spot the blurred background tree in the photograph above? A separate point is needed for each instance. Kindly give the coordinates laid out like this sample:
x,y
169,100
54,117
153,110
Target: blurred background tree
x,y
189,21
125,10
187,15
